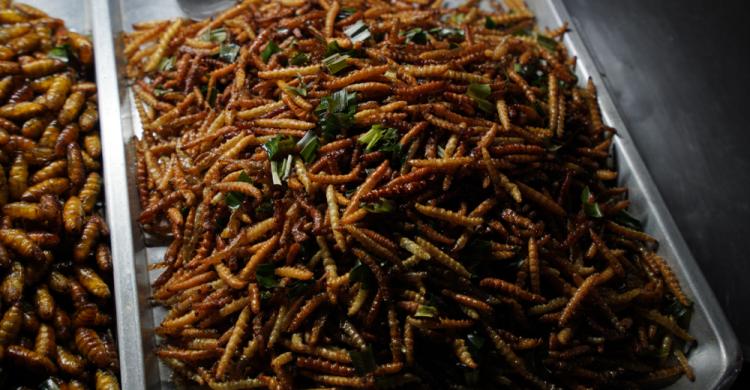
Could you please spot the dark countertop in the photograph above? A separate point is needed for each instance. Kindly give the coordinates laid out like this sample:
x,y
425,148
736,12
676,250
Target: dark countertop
x,y
677,70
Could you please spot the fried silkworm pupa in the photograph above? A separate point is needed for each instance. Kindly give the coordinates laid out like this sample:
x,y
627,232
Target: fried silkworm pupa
x,y
90,280
105,380
45,303
30,360
73,215
103,258
18,177
21,243
12,286
90,191
45,341
70,109
76,170
69,362
90,234
90,344
62,324
10,325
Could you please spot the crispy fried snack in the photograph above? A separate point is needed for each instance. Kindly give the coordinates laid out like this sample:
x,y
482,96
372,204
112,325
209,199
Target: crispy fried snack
x,y
387,194
55,265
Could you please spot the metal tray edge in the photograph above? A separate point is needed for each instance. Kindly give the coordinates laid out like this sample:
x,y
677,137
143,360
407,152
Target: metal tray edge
x,y
118,206
115,171
662,218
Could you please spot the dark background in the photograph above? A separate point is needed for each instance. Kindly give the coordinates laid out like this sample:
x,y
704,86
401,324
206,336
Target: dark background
x,y
679,73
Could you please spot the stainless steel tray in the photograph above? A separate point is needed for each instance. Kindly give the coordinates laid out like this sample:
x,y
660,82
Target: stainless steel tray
x,y
79,16
716,359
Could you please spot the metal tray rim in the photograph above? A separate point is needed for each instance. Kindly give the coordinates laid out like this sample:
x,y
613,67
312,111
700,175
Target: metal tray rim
x,y
118,210
693,276
114,117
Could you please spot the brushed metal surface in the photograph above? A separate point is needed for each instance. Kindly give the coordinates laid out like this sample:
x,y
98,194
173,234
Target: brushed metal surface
x,y
118,211
716,359
92,17
677,71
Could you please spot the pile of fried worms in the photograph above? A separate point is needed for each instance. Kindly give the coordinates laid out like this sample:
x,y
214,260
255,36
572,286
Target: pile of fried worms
x,y
56,326
391,194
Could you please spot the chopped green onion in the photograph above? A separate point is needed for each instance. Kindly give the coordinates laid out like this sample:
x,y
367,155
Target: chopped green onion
x,y
363,361
479,93
228,52
490,23
382,139
332,48
380,207
276,172
546,42
280,170
345,12
300,59
371,138
279,146
210,95
590,207
265,276
166,64
680,313
336,113
358,32
60,53
269,50
426,311
447,32
301,91
217,36
233,199
244,177
626,219
309,146
299,288
415,35
440,151
336,62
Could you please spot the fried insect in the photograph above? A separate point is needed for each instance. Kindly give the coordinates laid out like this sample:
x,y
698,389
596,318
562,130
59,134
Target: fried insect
x,y
389,194
69,362
21,243
105,380
45,303
90,234
73,215
50,184
13,285
92,282
18,177
90,191
91,346
10,325
31,360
